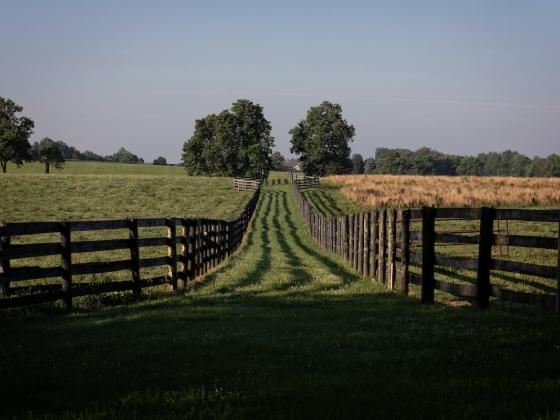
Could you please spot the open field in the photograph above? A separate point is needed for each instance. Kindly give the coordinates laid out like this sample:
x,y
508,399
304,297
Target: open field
x,y
98,168
281,330
398,191
76,196
330,201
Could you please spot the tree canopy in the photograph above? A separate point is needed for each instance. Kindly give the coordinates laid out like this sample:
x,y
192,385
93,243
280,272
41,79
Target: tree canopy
x,y
49,152
322,140
278,162
425,161
124,156
160,160
235,142
14,134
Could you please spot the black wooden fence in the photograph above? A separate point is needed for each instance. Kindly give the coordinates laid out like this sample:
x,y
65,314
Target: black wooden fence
x,y
381,244
199,246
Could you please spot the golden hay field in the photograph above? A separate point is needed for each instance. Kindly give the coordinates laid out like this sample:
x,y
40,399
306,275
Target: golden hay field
x,y
447,191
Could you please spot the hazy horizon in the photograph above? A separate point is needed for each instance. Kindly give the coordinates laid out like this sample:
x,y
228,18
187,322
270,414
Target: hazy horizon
x,y
456,77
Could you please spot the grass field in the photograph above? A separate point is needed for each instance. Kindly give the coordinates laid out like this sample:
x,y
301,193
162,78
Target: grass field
x,y
74,195
447,191
330,200
281,330
98,168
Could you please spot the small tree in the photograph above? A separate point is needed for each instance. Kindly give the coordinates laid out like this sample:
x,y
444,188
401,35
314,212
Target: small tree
x,y
278,161
160,161
125,156
14,134
369,165
321,140
50,152
357,164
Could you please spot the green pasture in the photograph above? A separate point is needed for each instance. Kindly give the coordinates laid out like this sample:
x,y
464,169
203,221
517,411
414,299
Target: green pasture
x,y
280,330
329,201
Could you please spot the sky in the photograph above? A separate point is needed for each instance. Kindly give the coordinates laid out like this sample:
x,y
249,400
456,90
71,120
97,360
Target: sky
x,y
462,77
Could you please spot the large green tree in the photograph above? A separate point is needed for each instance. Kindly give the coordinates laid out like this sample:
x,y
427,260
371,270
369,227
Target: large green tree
x,y
322,141
14,134
49,152
236,142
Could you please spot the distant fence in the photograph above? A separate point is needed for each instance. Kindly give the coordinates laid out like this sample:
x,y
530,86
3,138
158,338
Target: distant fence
x,y
302,182
198,247
379,241
246,184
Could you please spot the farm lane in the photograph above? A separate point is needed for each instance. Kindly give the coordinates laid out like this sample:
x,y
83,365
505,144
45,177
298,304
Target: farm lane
x,y
278,256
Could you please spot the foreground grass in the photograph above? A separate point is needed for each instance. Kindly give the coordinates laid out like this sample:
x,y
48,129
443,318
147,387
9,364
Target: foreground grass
x,y
280,330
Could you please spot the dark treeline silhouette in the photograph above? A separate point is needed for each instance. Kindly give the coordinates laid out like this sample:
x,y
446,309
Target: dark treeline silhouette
x,y
426,161
71,153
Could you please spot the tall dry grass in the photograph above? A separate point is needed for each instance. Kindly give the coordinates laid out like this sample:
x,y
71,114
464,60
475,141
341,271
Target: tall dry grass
x,y
447,191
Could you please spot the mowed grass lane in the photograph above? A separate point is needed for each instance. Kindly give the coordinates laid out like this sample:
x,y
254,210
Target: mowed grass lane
x,y
281,330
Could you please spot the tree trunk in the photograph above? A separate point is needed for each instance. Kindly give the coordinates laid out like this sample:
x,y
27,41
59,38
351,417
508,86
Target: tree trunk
x,y
4,165
47,166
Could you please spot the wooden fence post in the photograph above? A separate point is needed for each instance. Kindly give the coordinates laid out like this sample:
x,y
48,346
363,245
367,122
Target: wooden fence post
x,y
134,257
382,242
428,254
367,233
183,255
393,249
405,250
484,257
171,251
66,262
360,247
346,243
5,267
373,248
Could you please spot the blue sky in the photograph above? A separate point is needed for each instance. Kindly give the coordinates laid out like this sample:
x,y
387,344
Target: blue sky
x,y
459,76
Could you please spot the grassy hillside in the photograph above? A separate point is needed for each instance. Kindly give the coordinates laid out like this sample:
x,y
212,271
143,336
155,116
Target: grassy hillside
x,y
98,168
281,330
87,190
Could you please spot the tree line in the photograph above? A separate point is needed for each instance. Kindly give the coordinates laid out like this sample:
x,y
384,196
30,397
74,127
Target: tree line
x,y
426,161
15,130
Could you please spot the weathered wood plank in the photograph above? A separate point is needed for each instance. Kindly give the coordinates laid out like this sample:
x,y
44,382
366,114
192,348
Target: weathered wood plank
x,y
528,215
29,228
456,262
100,245
524,268
101,267
451,238
526,241
153,262
457,213
80,226
30,273
17,251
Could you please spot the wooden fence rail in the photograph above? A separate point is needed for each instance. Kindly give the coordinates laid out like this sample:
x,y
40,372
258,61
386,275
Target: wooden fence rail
x,y
196,247
306,181
246,184
382,245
